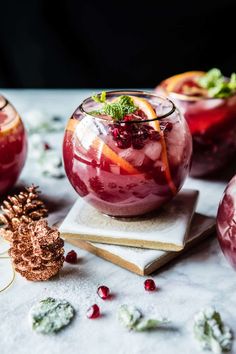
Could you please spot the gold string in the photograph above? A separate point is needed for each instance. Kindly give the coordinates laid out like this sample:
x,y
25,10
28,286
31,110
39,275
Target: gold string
x,y
13,272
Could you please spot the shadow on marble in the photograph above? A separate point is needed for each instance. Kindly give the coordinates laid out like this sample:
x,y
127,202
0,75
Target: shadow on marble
x,y
201,252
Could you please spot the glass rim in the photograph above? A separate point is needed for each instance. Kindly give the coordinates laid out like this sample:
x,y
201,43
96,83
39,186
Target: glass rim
x,y
184,97
5,103
129,92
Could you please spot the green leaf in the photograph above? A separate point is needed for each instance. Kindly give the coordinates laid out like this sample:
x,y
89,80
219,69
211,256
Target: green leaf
x,y
118,109
211,332
50,315
131,318
101,98
217,85
129,315
148,324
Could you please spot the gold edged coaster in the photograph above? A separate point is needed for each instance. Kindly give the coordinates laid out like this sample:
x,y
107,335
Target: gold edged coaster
x,y
146,261
165,229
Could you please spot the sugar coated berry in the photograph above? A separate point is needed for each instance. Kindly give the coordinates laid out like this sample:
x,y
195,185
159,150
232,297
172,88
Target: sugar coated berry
x,y
103,292
149,285
93,311
71,257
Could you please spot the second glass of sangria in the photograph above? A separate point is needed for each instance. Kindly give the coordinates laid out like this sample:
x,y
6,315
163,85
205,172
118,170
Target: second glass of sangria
x,y
208,102
127,152
13,145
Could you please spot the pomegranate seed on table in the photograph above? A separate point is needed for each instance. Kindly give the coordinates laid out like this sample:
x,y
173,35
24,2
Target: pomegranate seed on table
x,y
103,292
149,285
93,311
71,257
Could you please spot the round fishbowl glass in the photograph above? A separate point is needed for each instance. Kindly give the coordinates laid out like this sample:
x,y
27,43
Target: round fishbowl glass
x,y
132,165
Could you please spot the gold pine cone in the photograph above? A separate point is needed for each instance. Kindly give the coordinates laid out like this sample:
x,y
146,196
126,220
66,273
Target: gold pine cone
x,y
37,250
22,208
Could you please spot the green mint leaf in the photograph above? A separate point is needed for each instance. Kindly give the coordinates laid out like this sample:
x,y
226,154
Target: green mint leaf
x,y
118,109
217,85
101,98
232,82
211,332
115,110
51,315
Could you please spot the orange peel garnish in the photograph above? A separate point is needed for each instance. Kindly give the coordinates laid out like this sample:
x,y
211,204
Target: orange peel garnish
x,y
98,143
147,108
173,82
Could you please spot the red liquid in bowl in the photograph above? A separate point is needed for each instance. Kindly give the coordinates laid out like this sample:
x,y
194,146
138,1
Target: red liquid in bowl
x,y
125,181
13,146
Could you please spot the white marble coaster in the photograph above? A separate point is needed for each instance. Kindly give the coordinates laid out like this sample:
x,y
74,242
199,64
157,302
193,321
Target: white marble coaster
x,y
165,229
145,261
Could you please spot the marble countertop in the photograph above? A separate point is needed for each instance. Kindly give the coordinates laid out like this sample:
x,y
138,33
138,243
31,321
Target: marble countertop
x,y
200,278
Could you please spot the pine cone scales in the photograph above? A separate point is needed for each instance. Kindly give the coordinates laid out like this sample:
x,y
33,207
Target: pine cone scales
x,y
22,208
37,250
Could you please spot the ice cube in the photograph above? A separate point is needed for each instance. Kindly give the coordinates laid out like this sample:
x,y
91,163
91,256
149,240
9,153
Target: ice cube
x,y
86,132
135,157
153,150
115,169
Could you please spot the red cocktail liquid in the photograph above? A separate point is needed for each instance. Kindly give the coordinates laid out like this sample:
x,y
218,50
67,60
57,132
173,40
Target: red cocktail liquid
x,y
13,146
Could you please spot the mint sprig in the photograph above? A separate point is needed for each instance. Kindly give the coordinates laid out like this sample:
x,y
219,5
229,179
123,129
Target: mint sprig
x,y
132,318
211,332
217,85
118,109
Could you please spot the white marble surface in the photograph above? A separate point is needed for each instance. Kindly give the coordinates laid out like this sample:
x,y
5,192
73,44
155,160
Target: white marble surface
x,y
202,277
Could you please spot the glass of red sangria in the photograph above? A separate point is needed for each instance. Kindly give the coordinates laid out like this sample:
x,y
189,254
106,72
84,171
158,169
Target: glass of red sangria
x,y
127,152
13,145
208,102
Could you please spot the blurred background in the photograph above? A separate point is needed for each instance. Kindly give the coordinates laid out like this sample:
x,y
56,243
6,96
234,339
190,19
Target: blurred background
x,y
82,44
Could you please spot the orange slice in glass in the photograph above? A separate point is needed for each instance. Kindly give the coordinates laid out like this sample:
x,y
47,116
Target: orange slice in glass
x,y
174,83
147,108
98,143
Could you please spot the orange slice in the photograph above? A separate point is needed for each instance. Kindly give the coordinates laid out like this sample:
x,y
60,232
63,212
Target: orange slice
x,y
173,83
8,127
106,150
147,108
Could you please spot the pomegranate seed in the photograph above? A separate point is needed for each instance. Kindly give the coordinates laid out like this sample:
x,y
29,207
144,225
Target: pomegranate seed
x,y
154,135
71,257
104,292
167,127
47,146
138,143
115,133
93,311
149,285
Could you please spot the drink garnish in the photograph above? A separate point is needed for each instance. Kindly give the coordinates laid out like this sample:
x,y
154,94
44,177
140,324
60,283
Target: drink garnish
x,y
217,85
118,109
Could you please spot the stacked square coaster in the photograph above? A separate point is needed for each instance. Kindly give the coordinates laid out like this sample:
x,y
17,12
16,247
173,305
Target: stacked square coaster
x,y
140,244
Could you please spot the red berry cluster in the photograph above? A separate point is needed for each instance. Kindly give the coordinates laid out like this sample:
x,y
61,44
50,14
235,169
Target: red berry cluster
x,y
127,134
